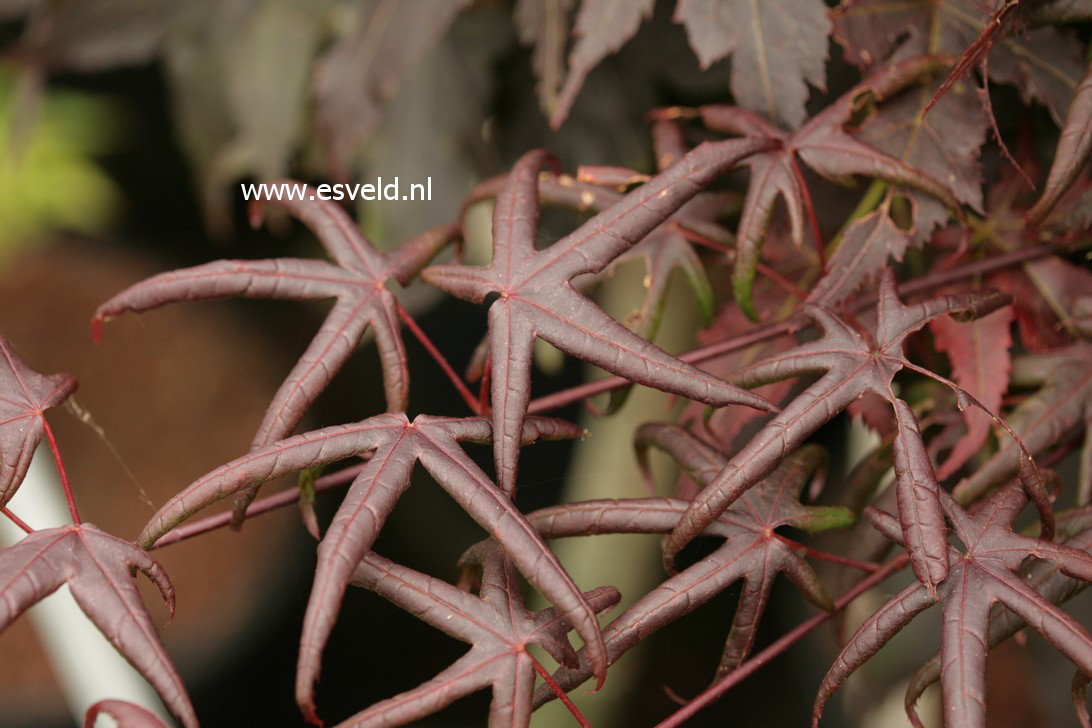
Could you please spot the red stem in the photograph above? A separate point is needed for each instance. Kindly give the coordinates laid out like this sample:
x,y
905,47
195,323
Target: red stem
x,y
61,471
789,287
784,283
766,332
258,507
696,237
561,695
460,386
813,220
824,556
17,520
726,683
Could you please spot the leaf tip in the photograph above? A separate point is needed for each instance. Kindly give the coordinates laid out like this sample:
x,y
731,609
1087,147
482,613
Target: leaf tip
x,y
96,328
255,214
307,707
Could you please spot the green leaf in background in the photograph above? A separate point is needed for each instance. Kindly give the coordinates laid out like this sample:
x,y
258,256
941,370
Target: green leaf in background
x,y
49,179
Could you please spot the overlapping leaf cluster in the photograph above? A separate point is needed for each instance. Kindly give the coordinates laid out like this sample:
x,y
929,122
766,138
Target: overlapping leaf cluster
x,y
974,415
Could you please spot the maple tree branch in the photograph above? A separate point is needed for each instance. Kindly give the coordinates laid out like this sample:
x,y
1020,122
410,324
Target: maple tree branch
x,y
439,358
61,471
262,505
766,332
561,694
17,520
726,683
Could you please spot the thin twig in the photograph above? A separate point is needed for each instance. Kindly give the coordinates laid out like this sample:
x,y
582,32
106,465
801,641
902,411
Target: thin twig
x,y
869,566
460,386
17,520
61,471
262,505
561,694
813,219
784,283
726,683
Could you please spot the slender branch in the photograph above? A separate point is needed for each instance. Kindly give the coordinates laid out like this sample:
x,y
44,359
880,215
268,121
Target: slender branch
x,y
561,694
17,520
767,332
460,385
262,505
726,683
61,471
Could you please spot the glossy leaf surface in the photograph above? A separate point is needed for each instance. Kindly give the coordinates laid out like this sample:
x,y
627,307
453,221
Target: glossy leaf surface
x,y
98,569
536,298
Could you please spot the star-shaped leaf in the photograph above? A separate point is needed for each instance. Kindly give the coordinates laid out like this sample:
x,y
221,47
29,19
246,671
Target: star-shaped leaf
x,y
1063,405
24,395
752,551
495,622
664,249
778,47
824,145
983,574
395,444
357,279
1045,577
98,569
853,363
536,298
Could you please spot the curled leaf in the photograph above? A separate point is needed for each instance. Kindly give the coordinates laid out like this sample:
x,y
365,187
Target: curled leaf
x,y
97,568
